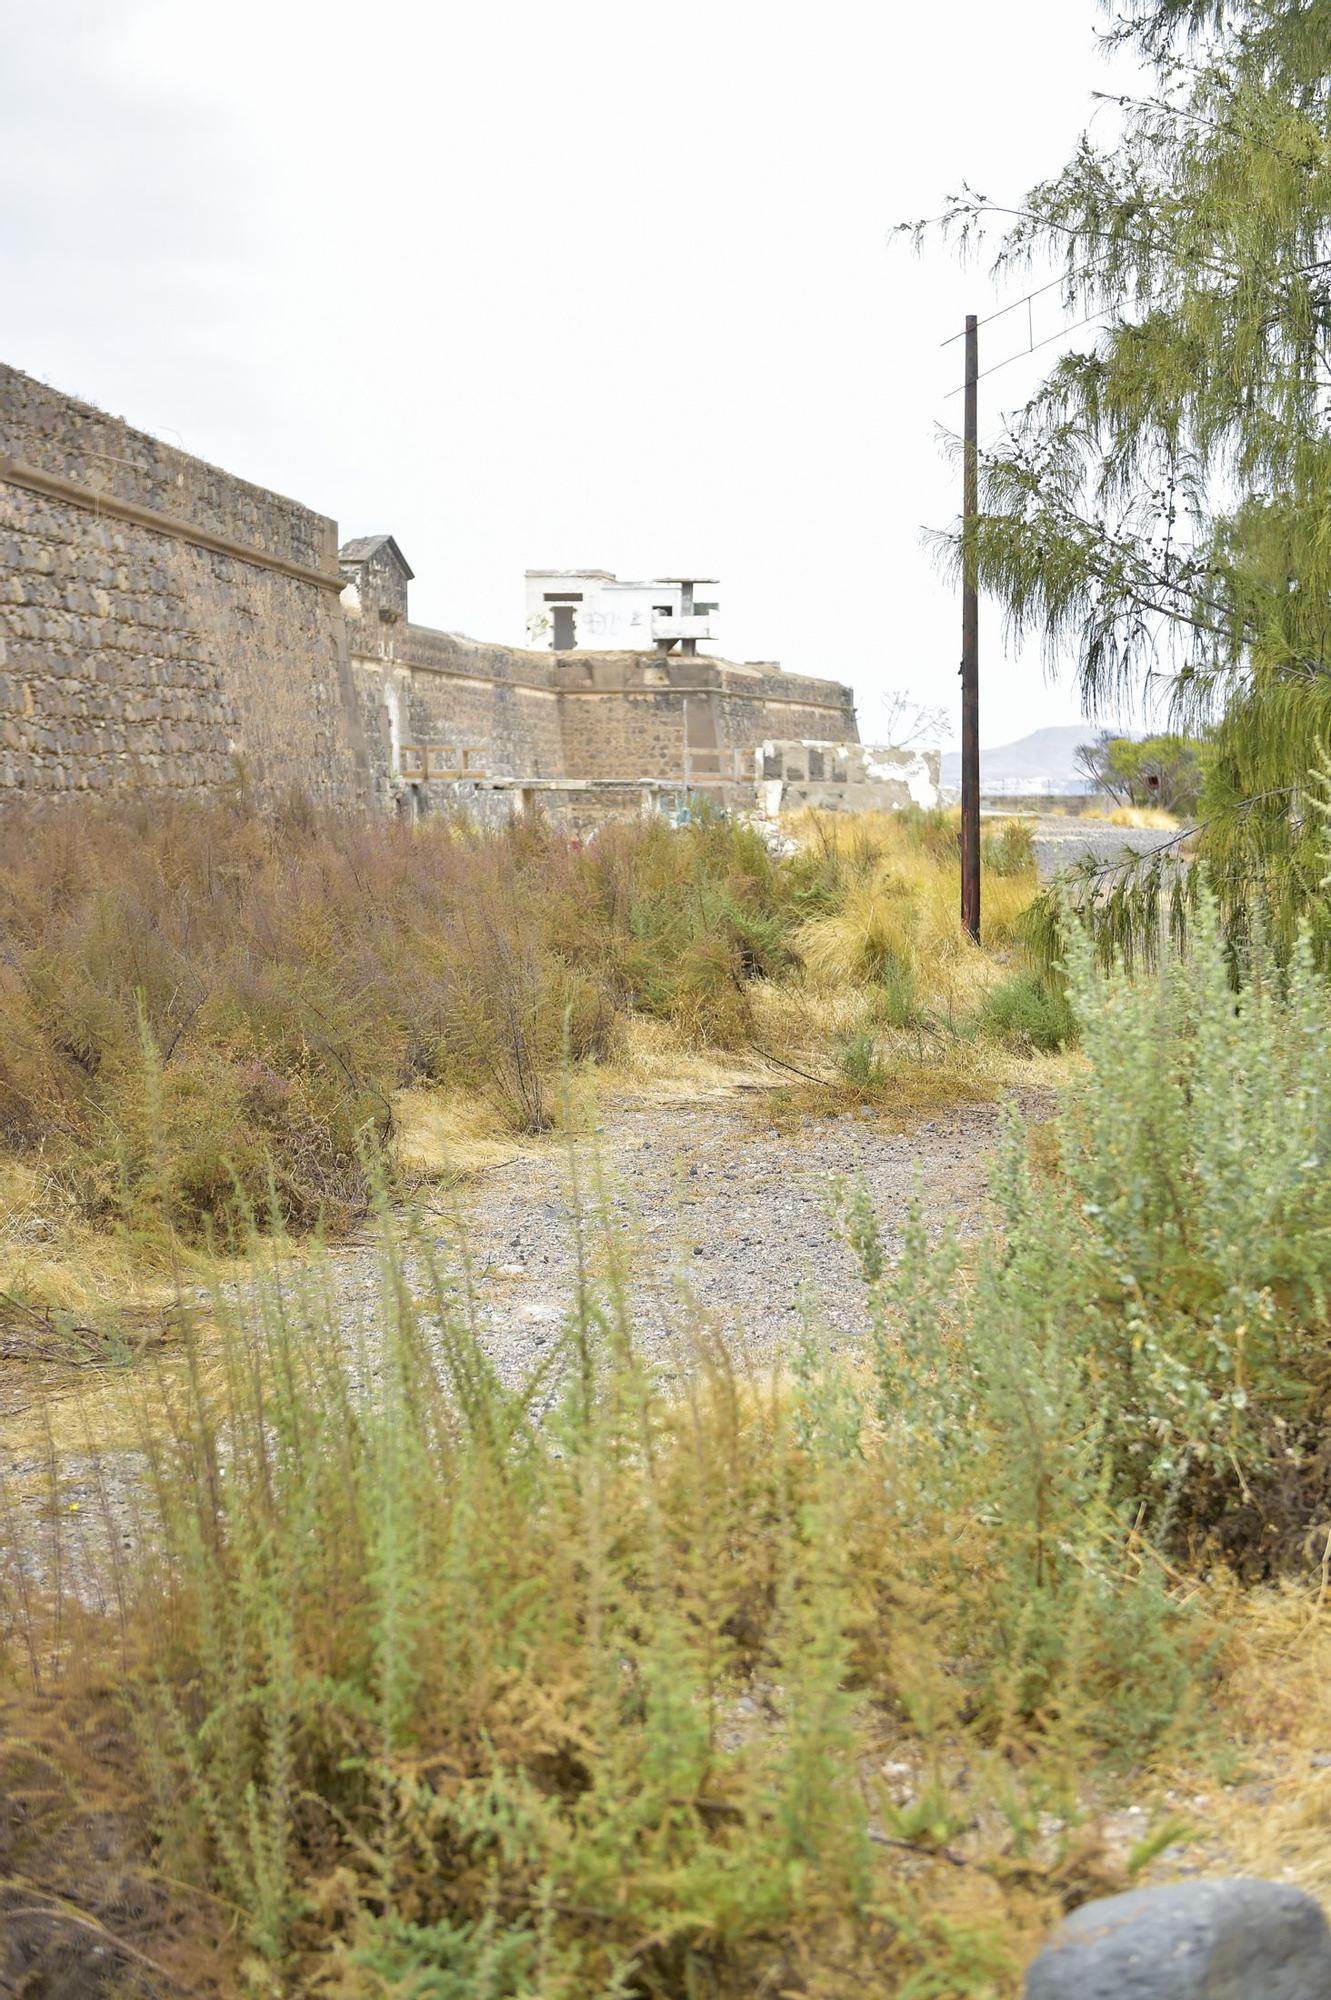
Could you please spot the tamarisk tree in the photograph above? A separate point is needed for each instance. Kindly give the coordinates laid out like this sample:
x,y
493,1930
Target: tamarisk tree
x,y
1160,510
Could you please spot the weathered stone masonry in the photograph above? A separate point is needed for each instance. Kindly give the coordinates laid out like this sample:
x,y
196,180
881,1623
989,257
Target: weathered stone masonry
x,y
161,622
164,625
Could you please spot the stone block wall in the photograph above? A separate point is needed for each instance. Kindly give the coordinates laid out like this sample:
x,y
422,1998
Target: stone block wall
x,y
437,699
630,714
162,624
166,626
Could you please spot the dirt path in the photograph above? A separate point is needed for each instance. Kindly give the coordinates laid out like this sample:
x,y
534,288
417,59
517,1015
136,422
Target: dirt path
x,y
717,1214
1064,843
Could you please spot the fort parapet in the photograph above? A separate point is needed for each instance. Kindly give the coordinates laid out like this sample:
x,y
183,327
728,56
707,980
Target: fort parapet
x,y
165,626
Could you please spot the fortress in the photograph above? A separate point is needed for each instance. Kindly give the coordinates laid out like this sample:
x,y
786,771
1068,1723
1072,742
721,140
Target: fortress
x,y
165,626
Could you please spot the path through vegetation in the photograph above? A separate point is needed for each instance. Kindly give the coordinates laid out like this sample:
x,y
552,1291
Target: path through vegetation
x,y
717,1211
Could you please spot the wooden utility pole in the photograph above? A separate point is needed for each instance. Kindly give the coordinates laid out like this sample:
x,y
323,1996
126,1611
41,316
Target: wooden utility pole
x,y
970,651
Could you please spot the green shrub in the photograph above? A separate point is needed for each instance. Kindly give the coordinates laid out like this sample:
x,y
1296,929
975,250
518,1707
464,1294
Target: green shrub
x,y
1157,1309
933,830
1030,1011
440,1698
859,1062
1010,851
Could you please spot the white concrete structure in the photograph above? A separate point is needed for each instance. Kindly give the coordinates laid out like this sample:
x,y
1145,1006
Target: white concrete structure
x,y
844,777
592,610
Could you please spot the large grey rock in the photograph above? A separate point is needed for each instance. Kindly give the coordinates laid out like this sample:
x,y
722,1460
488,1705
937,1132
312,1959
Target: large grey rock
x,y
1223,1940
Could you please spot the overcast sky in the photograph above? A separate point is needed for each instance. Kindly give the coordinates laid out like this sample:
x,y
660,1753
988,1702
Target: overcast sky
x,y
586,284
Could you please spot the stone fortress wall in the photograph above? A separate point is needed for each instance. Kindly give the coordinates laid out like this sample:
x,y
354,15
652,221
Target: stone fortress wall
x,y
165,626
161,622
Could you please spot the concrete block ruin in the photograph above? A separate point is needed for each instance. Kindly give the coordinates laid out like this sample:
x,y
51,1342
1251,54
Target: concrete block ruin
x,y
844,777
165,626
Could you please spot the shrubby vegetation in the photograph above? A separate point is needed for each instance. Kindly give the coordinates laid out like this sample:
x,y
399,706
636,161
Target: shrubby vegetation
x,y
203,1012
1165,771
443,1687
1154,1306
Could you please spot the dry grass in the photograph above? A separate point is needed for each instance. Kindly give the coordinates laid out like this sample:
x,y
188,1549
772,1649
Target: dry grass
x,y
208,1018
1152,819
1272,1814
893,937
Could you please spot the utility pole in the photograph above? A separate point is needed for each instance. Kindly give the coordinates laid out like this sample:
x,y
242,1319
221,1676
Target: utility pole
x,y
970,650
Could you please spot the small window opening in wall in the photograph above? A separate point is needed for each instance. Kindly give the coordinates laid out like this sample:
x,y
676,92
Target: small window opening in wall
x,y
564,638
563,597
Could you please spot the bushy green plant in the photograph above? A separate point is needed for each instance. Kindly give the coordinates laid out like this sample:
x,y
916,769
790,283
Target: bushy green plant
x,y
934,830
1031,1011
1169,1281
1010,851
444,1699
859,1062
989,1409
1193,1155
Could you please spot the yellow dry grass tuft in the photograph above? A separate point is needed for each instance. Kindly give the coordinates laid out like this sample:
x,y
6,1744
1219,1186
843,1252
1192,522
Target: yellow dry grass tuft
x,y
70,1291
1147,819
899,918
1271,1815
449,1136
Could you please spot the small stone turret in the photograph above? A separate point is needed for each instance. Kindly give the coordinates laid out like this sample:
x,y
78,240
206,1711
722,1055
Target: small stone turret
x,y
378,572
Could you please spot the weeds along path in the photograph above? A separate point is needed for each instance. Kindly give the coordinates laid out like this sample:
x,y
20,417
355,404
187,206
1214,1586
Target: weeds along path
x,y
717,1215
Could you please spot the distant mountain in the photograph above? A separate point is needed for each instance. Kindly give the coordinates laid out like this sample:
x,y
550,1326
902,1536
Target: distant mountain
x,y
1046,759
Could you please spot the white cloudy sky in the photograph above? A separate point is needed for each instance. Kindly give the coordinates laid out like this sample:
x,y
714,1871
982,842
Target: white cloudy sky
x,y
591,284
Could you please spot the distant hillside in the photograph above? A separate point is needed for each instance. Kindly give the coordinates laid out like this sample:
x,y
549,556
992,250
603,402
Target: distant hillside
x,y
1046,757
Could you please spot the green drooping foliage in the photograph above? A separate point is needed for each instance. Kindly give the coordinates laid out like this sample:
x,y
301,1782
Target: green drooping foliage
x,y
1160,510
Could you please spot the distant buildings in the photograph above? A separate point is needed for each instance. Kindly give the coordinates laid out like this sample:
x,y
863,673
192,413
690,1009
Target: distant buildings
x,y
589,610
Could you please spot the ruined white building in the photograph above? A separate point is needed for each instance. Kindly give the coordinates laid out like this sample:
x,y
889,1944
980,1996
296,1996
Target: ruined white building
x,y
589,610
843,776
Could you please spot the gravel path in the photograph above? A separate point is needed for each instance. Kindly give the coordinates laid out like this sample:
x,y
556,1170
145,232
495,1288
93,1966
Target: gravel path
x,y
715,1214
1061,843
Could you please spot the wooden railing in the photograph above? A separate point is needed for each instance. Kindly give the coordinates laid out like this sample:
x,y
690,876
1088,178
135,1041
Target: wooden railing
x,y
423,763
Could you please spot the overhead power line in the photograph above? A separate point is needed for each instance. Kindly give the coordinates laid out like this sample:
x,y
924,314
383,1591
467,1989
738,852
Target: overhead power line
x,y
1034,347
1025,300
